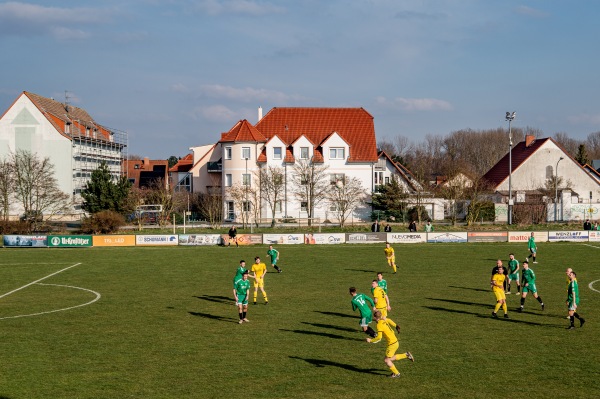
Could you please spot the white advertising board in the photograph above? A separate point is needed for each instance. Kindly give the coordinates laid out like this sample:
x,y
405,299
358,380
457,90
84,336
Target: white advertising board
x,y
447,237
523,236
199,239
594,235
283,239
577,236
406,238
332,238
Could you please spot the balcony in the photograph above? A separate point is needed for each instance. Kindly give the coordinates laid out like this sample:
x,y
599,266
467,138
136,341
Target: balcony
x,y
215,166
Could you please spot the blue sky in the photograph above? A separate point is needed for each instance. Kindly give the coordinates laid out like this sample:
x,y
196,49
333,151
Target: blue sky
x,y
177,73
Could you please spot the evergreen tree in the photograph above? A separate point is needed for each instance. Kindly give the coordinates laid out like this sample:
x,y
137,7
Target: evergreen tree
x,y
391,198
582,156
102,193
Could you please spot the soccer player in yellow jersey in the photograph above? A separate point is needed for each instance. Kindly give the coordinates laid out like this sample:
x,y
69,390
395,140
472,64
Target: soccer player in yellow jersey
x,y
382,303
497,284
384,330
390,256
259,269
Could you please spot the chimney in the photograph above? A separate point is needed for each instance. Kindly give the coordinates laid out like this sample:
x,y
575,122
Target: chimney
x,y
259,113
145,162
529,140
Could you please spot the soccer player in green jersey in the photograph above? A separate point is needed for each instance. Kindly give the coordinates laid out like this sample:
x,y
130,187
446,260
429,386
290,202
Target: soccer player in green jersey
x,y
274,255
360,302
241,292
384,330
513,273
532,248
239,272
381,282
573,301
528,279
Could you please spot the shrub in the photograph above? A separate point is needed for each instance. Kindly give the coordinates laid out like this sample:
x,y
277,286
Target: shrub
x,y
14,227
104,222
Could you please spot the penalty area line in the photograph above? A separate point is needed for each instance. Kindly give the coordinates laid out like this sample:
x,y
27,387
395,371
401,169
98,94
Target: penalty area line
x,y
37,281
591,286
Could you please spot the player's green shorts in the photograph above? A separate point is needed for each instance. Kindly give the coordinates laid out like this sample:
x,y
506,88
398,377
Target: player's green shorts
x,y
242,300
530,288
513,277
364,321
274,261
572,306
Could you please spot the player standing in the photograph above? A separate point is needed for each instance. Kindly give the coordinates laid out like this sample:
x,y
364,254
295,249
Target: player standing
x,y
497,283
513,273
239,272
274,255
233,236
390,256
384,330
359,301
528,279
381,282
504,271
259,269
532,248
241,292
573,301
382,303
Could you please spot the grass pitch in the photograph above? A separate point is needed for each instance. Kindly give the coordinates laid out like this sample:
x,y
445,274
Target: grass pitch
x,y
161,323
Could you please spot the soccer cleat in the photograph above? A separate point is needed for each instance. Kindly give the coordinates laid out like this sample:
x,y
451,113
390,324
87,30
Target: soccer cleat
x,y
571,328
394,375
494,315
266,303
410,357
245,320
254,303
542,306
506,316
518,293
534,262
520,310
398,328
241,321
581,321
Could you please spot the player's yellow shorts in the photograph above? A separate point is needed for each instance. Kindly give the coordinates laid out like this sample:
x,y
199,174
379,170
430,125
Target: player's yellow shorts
x,y
499,294
391,349
391,259
383,311
259,283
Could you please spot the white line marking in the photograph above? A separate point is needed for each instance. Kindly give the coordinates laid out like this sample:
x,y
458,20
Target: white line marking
x,y
59,310
37,281
591,286
592,246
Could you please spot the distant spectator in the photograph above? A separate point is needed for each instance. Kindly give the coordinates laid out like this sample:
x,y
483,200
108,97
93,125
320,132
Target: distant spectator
x,y
412,227
429,227
596,227
388,228
233,236
375,227
587,225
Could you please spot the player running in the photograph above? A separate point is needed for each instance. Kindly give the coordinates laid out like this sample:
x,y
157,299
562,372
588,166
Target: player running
x,y
259,269
390,256
359,301
513,273
497,284
382,303
573,301
241,292
528,280
274,255
384,330
532,248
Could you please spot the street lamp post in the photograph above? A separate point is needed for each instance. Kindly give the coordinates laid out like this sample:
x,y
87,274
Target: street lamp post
x,y
247,182
556,189
509,118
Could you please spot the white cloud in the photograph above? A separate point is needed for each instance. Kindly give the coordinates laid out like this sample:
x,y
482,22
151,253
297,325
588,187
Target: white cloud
x,y
214,113
246,94
585,119
247,7
531,12
415,104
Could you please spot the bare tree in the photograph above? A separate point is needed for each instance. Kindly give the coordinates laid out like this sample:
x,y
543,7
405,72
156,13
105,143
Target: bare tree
x,y
239,193
158,193
570,145
345,196
36,188
593,145
272,183
478,196
310,185
210,205
7,183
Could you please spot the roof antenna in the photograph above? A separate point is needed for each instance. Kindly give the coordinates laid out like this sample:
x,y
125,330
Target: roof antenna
x,y
67,98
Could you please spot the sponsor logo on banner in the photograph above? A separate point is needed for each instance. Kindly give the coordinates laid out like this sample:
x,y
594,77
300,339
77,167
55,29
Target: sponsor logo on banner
x,y
244,239
594,235
333,238
113,241
523,236
406,238
366,238
283,238
156,240
447,237
199,239
69,241
568,235
488,236
25,241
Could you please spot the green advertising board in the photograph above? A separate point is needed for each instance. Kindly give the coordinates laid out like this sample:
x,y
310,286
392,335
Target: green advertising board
x,y
69,241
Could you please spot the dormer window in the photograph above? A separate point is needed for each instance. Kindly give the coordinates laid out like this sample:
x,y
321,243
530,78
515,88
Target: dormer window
x,y
337,153
277,152
303,152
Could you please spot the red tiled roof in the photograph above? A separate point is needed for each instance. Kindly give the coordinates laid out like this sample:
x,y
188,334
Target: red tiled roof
x,y
354,125
289,156
520,153
243,131
402,170
184,164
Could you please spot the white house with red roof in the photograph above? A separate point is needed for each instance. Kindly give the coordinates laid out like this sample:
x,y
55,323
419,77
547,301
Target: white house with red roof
x,y
536,162
343,139
73,141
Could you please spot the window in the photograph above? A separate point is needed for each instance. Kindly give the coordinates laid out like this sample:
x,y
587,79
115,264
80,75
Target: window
x,y
336,153
276,152
247,206
278,206
245,152
246,179
304,206
228,180
227,152
230,211
549,172
333,208
337,178
303,152
378,177
136,166
387,180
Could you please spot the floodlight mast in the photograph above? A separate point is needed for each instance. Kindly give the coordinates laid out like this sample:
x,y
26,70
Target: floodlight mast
x,y
509,118
556,189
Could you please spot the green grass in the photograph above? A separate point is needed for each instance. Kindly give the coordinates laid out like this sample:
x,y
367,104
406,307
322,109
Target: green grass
x,y
166,326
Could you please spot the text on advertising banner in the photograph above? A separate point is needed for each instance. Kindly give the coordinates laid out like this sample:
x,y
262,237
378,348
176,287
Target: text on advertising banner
x,y
156,239
447,237
488,236
365,238
323,238
199,239
568,236
25,241
243,239
113,241
69,241
523,236
406,238
283,239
